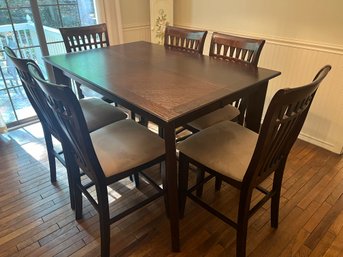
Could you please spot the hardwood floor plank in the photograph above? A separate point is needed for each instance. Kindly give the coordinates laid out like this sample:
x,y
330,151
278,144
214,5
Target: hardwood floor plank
x,y
336,248
295,246
316,218
325,224
36,218
323,244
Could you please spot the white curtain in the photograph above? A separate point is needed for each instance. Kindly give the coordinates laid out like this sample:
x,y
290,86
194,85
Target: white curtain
x,y
3,127
108,11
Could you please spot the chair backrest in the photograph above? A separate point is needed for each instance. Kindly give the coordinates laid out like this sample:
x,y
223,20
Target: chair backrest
x,y
282,124
234,48
33,92
85,38
185,39
74,132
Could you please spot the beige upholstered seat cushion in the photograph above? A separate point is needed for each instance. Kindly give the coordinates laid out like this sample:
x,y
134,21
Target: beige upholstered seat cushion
x,y
124,145
98,113
228,112
226,147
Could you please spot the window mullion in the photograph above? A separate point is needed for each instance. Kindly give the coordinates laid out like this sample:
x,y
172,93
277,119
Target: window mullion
x,y
40,34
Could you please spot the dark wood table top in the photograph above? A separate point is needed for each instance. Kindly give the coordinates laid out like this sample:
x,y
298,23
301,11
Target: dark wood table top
x,y
165,85
169,88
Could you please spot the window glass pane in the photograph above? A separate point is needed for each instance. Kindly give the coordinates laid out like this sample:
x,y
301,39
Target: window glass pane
x,y
21,15
4,19
9,76
45,2
25,33
68,1
52,34
33,53
50,16
87,13
6,107
2,83
7,38
3,70
18,3
70,16
2,4
14,104
56,48
21,103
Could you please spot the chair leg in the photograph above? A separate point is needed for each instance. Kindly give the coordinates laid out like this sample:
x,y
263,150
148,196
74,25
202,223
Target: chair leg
x,y
143,121
78,198
76,187
275,210
136,178
71,168
242,222
79,90
200,177
160,132
51,155
241,243
275,201
105,236
164,182
133,115
218,183
183,183
104,220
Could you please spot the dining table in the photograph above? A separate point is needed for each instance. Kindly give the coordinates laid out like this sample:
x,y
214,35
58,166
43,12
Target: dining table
x,y
167,87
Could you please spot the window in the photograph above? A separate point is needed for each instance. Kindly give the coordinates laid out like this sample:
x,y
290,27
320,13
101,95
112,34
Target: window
x,y
31,28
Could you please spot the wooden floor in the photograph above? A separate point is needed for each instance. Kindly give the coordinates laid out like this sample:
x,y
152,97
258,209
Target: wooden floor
x,y
36,218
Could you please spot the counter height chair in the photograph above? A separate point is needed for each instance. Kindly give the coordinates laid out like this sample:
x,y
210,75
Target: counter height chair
x,y
97,112
235,49
78,39
106,155
187,40
85,38
244,159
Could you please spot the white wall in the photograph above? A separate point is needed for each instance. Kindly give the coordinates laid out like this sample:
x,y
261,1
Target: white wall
x,y
314,21
301,37
135,20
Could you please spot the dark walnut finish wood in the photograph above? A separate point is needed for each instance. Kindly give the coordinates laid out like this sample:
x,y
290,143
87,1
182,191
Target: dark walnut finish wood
x,y
234,48
49,128
100,165
98,114
170,88
85,38
187,40
281,126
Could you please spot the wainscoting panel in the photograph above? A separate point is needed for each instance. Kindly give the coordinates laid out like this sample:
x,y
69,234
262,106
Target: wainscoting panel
x,y
137,33
298,63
